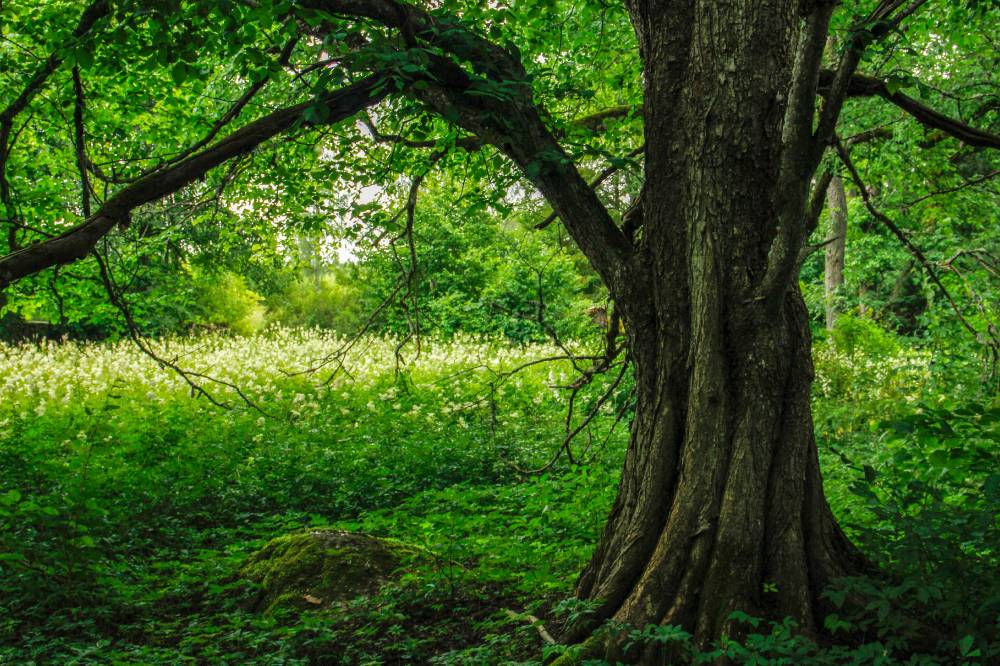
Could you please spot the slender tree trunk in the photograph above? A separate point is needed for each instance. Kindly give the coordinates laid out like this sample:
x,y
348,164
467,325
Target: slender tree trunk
x,y
833,275
720,505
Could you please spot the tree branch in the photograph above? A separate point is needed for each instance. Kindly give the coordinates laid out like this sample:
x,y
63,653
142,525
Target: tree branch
x,y
798,155
594,184
517,129
818,200
80,140
81,239
232,113
862,85
513,124
956,188
90,16
803,151
116,298
878,24
414,23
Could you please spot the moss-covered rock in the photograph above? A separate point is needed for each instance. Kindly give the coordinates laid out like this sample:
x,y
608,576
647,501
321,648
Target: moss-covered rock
x,y
317,568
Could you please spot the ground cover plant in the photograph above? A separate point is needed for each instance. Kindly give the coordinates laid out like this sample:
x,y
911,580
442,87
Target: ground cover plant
x,y
126,501
130,507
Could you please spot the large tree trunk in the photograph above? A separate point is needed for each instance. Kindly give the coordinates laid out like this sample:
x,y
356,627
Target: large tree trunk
x,y
721,490
833,274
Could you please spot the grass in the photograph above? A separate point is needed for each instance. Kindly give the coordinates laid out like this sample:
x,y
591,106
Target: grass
x,y
128,507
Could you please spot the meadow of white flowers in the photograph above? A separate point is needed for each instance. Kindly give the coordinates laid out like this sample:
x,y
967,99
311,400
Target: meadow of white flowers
x,y
445,385
268,368
64,395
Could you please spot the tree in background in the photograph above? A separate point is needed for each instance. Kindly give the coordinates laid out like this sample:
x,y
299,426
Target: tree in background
x,y
833,272
720,506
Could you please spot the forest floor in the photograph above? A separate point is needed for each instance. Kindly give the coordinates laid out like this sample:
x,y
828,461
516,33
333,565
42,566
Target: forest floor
x,y
129,507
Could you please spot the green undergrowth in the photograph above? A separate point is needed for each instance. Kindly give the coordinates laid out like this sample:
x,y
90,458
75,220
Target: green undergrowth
x,y
139,525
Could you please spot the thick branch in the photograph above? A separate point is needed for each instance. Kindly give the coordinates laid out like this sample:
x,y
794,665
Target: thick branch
x,y
594,184
813,212
869,86
514,125
518,130
415,23
817,201
80,240
797,128
877,25
859,85
798,156
802,149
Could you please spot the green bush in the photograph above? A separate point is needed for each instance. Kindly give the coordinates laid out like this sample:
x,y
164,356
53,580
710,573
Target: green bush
x,y
328,299
225,299
858,336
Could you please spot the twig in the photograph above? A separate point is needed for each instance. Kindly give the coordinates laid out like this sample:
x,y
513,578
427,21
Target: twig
x,y
968,183
196,389
229,115
80,140
535,622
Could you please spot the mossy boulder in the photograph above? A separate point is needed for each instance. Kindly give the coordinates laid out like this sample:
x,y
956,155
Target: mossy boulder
x,y
319,568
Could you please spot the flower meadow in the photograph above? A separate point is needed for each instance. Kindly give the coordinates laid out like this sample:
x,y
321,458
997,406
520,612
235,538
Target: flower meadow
x,y
283,369
129,501
328,394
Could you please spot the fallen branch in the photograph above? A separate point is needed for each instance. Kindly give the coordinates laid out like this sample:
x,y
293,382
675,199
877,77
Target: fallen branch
x,y
535,622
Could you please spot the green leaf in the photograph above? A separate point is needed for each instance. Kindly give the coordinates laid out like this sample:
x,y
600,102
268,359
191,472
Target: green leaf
x,y
179,72
84,58
896,83
939,457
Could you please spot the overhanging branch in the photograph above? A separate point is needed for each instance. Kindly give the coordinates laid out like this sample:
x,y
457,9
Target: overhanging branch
x,y
869,86
595,183
513,124
81,239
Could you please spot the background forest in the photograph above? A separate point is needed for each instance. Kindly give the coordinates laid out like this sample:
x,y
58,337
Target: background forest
x,y
288,346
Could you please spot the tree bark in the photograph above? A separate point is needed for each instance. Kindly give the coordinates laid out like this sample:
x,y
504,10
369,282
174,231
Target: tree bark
x,y
721,490
833,274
